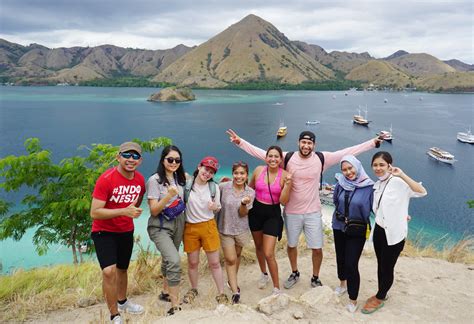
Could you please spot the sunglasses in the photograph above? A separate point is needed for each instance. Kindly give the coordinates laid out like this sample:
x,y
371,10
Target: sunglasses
x,y
172,159
240,163
127,155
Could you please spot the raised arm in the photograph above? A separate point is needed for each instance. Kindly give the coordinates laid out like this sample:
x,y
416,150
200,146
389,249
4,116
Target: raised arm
x,y
332,158
415,186
246,146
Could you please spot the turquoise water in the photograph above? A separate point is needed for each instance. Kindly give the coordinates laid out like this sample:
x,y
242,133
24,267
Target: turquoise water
x,y
66,117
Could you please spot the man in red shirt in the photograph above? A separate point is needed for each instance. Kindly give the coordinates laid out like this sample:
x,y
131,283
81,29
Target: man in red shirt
x,y
116,201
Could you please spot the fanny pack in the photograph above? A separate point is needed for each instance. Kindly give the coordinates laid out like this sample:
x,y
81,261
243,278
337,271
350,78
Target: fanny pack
x,y
356,228
175,209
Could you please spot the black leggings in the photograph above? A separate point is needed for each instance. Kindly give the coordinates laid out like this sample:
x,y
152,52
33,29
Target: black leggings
x,y
348,252
387,256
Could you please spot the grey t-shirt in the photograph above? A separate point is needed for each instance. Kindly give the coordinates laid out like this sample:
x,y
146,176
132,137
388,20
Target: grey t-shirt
x,y
157,191
229,221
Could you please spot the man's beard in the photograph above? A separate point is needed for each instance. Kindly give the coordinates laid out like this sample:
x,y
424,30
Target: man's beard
x,y
305,155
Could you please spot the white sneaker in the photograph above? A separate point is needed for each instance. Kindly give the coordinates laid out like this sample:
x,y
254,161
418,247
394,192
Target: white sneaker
x,y
117,320
263,281
351,307
276,291
340,290
131,308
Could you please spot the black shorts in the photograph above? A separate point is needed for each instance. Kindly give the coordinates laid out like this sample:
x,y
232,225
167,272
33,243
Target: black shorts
x,y
113,248
266,218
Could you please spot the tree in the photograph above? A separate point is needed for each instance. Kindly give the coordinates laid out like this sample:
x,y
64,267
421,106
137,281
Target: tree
x,y
58,202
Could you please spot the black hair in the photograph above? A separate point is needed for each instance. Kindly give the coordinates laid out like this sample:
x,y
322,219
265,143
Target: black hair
x,y
195,173
241,164
161,171
384,156
275,147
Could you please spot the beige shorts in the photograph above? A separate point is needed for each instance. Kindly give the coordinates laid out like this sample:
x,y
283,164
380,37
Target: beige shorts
x,y
231,240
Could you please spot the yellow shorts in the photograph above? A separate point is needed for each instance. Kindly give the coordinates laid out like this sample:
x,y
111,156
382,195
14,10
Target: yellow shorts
x,y
204,234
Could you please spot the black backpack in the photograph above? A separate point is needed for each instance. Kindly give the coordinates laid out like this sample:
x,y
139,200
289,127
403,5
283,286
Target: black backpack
x,y
321,158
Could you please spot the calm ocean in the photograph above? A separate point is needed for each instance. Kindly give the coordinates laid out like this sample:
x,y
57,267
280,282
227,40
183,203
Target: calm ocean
x,y
64,118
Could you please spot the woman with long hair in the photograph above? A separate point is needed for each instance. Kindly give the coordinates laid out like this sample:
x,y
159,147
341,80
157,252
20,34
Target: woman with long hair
x,y
202,202
272,187
236,200
165,191
353,196
392,193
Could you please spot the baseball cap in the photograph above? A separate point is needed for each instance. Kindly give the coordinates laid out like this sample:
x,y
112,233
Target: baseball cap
x,y
210,162
130,146
308,135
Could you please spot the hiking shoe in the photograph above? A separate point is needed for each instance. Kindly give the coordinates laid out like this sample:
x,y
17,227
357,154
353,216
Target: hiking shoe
x,y
131,308
276,291
339,291
238,288
263,281
235,298
190,296
351,307
117,320
315,282
222,299
292,280
164,297
173,310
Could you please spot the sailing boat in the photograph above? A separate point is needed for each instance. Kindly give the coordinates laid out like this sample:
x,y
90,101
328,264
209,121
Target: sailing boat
x,y
359,120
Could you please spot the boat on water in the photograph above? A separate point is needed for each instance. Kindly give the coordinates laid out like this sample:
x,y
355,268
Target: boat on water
x,y
278,104
312,122
387,135
441,155
282,131
359,120
326,194
466,137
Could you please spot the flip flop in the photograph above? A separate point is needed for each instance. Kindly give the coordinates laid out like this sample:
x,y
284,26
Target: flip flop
x,y
370,305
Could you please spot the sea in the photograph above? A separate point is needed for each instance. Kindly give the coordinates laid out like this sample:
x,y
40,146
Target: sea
x,y
65,118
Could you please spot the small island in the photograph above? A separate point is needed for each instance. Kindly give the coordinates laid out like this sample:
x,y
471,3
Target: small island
x,y
173,94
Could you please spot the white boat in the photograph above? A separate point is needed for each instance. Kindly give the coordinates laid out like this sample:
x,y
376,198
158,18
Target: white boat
x,y
441,155
466,137
359,120
278,104
312,122
387,135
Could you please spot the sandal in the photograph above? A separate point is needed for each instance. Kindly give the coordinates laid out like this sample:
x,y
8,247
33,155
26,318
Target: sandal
x,y
372,305
190,296
222,299
164,297
173,310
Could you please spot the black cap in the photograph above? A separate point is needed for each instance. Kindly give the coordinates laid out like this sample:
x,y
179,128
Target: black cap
x,y
308,135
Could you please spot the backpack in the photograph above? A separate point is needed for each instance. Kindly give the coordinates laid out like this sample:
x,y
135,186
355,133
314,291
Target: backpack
x,y
321,158
189,185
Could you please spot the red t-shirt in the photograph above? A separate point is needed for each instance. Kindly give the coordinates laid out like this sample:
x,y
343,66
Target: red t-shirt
x,y
117,192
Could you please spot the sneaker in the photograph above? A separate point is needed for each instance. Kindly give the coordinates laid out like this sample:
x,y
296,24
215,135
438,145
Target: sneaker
x,y
222,299
276,291
131,308
263,281
235,298
228,286
351,307
117,320
340,290
173,310
292,280
190,296
315,282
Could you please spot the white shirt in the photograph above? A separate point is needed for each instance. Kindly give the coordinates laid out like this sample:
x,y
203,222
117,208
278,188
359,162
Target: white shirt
x,y
392,212
197,206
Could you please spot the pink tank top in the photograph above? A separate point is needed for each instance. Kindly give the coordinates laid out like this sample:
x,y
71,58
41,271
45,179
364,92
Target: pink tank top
x,y
261,188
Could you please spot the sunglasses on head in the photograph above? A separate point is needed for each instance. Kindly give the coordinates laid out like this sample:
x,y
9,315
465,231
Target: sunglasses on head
x,y
210,163
127,155
172,159
240,163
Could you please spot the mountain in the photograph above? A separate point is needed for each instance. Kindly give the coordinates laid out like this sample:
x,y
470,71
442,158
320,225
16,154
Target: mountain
x,y
380,73
76,64
396,54
460,66
421,64
460,81
250,50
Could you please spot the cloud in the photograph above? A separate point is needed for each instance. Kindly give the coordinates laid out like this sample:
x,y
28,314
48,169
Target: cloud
x,y
441,28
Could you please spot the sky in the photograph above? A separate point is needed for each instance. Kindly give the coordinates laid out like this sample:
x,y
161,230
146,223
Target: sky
x,y
381,27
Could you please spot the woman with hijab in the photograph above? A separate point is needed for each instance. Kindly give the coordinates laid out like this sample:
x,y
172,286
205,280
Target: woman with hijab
x,y
353,196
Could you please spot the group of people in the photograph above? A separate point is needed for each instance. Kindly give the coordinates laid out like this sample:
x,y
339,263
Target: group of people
x,y
200,213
